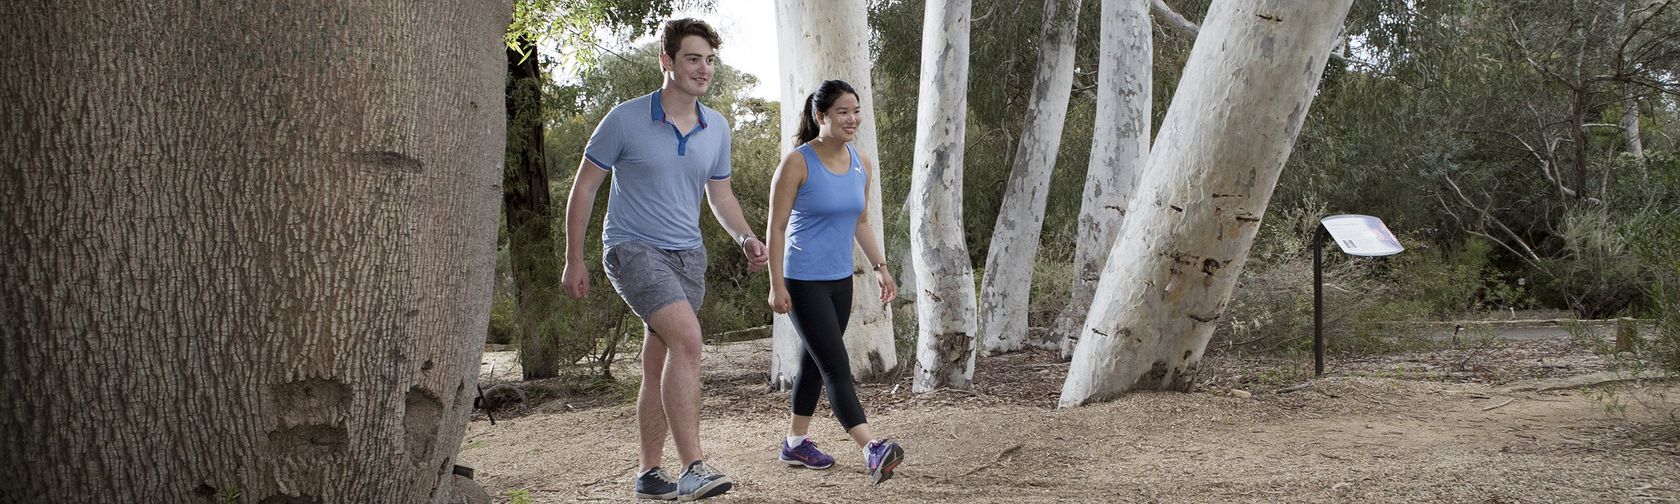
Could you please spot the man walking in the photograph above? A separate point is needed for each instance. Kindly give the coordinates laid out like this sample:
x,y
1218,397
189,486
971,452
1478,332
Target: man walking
x,y
663,151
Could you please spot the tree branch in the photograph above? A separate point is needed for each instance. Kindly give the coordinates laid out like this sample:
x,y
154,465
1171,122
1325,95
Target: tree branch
x,y
1167,16
1527,254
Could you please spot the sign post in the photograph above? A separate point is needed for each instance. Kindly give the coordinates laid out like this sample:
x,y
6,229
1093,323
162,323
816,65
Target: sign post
x,y
1356,235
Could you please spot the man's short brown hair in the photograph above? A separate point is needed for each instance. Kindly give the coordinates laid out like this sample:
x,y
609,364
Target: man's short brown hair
x,y
678,29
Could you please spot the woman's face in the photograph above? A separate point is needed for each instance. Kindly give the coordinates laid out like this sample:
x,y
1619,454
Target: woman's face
x,y
841,120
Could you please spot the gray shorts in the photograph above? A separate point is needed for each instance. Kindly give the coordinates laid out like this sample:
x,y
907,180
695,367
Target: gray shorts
x,y
648,278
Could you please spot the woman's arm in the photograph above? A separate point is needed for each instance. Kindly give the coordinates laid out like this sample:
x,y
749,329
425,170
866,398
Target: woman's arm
x,y
865,236
783,188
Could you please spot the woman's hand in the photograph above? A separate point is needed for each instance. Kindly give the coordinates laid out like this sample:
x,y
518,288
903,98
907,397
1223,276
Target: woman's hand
x,y
889,288
779,301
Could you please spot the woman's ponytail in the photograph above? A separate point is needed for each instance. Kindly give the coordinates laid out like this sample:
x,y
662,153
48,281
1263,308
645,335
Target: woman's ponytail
x,y
807,121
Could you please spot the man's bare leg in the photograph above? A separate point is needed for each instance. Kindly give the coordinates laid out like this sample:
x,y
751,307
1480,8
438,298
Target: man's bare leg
x,y
650,408
678,329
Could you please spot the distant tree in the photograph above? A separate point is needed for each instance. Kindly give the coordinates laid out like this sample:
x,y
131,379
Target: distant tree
x,y
1119,149
1007,283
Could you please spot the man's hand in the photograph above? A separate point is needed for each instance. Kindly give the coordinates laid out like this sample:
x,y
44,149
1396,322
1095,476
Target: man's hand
x,y
576,279
757,254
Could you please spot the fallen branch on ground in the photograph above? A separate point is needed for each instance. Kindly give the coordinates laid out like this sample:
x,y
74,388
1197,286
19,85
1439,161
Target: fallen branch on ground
x,y
999,458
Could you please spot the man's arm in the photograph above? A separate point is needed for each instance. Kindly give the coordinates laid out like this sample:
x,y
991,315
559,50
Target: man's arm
x,y
579,205
727,210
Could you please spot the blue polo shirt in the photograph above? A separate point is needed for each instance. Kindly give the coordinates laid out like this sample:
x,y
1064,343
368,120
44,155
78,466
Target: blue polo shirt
x,y
659,173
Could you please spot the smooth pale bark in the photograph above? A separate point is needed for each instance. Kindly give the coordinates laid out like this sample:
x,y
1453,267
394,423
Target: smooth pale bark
x,y
1119,148
1006,287
250,249
945,303
822,40
1250,78
1629,102
1173,19
1630,123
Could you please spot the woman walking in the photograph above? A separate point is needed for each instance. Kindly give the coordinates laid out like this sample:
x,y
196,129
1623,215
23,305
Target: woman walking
x,y
817,203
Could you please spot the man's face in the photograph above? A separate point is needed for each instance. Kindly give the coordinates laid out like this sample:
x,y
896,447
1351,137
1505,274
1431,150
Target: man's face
x,y
690,71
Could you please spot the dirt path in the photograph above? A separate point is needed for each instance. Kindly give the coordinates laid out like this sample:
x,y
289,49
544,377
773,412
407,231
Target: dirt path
x,y
1344,438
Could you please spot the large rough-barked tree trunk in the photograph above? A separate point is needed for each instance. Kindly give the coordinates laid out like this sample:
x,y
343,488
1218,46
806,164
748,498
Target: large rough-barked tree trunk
x,y
945,301
821,40
1119,149
528,208
1251,76
1006,287
250,248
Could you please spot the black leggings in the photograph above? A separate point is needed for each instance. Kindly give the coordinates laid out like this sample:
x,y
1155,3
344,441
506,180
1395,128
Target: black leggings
x,y
819,314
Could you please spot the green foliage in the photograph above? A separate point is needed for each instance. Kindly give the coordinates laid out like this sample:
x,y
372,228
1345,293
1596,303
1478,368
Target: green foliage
x,y
1595,274
1445,281
1653,240
1272,307
504,319
1003,54
1051,281
576,27
519,496
1495,119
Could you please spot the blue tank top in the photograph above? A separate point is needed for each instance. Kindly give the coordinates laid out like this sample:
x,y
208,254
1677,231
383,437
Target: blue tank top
x,y
824,220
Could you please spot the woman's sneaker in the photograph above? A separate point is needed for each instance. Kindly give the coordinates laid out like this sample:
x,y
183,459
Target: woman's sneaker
x,y
883,457
700,482
656,484
806,454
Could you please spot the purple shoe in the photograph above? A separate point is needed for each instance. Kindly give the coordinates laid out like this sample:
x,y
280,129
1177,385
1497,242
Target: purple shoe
x,y
806,454
884,456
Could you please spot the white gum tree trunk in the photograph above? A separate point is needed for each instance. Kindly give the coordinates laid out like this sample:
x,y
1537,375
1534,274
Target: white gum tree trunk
x,y
1006,287
821,40
945,303
1246,89
1629,101
1119,148
262,289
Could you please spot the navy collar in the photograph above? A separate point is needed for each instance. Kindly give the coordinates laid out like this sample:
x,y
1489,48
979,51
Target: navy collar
x,y
659,110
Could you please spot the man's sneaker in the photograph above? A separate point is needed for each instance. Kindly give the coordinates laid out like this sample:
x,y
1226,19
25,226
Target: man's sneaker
x,y
884,456
700,482
806,454
656,484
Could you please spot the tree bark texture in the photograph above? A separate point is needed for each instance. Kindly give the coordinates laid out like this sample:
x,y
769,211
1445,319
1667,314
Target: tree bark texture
x,y
1119,149
250,247
1006,287
822,40
1245,92
945,305
528,208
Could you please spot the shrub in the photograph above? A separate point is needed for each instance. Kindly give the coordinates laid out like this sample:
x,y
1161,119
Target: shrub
x,y
504,319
